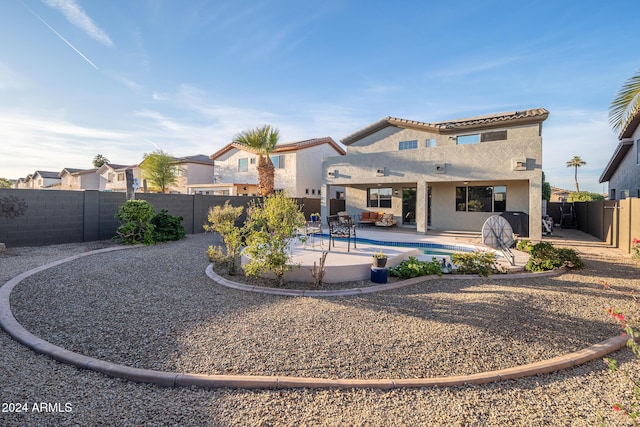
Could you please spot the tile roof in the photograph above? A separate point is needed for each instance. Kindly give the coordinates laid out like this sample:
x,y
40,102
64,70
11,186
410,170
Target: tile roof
x,y
198,158
536,115
281,148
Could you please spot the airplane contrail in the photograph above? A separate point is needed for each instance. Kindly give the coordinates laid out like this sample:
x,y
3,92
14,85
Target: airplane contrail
x,y
62,38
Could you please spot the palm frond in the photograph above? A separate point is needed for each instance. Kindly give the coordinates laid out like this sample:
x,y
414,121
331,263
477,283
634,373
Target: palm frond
x,y
626,103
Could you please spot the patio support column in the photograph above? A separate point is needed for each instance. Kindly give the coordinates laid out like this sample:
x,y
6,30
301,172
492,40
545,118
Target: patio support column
x,y
325,203
422,198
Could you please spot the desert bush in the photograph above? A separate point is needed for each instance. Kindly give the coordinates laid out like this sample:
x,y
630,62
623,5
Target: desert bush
x,y
413,267
544,256
167,228
481,263
222,220
135,223
272,224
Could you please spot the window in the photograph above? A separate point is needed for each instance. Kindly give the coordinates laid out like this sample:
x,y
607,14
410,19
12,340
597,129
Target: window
x,y
120,176
624,194
430,142
408,145
493,136
313,191
243,165
481,199
306,191
468,139
319,192
379,198
638,152
252,161
278,161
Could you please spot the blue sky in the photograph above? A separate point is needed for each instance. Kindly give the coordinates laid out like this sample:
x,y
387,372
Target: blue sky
x,y
125,77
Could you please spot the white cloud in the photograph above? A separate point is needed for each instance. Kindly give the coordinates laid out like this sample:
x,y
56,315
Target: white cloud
x,y
74,14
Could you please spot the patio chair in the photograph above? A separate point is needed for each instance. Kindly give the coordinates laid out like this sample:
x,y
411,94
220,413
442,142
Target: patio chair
x,y
343,227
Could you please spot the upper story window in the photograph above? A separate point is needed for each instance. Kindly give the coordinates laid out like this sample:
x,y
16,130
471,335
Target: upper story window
x,y
638,152
278,161
498,135
243,165
430,142
252,160
468,139
408,145
120,176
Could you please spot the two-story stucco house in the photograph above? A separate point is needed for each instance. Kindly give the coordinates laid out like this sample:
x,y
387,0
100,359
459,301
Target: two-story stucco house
x,y
45,180
448,175
623,170
298,168
114,176
81,179
192,170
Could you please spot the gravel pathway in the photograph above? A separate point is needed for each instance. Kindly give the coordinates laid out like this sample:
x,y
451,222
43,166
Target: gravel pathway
x,y
153,307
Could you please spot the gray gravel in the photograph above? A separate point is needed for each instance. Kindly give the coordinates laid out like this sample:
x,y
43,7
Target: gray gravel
x,y
153,307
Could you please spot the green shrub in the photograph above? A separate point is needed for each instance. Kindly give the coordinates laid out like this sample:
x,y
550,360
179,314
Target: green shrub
x,y
481,263
524,245
135,223
544,256
272,224
412,267
167,227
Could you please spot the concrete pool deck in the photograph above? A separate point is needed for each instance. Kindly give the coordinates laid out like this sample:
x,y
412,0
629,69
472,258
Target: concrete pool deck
x,y
346,263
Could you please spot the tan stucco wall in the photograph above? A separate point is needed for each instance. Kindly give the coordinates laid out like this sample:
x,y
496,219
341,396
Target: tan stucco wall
x,y
490,163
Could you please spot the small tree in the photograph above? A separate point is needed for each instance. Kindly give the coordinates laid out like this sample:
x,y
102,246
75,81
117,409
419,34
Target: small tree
x,y
272,224
135,223
99,160
159,170
222,220
546,189
5,183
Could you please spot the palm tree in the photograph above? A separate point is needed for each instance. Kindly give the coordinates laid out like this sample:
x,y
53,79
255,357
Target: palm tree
x,y
575,163
626,103
99,160
262,140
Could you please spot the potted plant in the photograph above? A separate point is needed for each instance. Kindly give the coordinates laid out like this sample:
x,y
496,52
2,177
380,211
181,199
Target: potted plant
x,y
379,259
315,217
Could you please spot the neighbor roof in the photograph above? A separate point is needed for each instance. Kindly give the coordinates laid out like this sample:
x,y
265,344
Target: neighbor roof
x,y
47,174
198,158
631,125
536,115
616,159
282,148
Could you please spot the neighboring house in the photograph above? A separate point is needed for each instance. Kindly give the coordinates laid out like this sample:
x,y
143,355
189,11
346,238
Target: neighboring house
x,y
298,168
623,170
192,171
82,179
45,180
559,195
449,175
115,179
23,183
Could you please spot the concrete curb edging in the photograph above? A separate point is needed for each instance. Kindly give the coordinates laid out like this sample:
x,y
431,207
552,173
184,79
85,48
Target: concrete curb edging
x,y
171,379
368,289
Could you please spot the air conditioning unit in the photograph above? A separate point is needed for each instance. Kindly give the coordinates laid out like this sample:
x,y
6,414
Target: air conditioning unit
x,y
519,164
440,168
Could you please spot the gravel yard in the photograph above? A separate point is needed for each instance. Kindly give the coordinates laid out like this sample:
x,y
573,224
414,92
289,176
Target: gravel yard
x,y
153,307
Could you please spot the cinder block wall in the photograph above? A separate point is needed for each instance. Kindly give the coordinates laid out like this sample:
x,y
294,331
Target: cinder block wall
x,y
47,217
